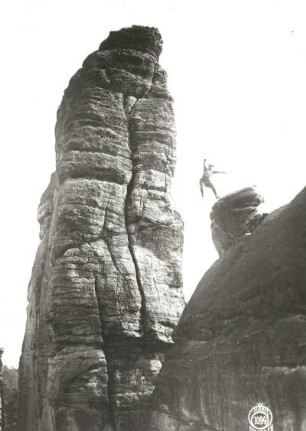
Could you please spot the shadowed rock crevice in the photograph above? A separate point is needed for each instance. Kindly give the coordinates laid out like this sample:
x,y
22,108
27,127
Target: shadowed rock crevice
x,y
106,286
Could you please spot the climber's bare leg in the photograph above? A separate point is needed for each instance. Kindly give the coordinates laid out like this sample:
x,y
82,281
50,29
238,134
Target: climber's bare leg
x,y
214,190
202,188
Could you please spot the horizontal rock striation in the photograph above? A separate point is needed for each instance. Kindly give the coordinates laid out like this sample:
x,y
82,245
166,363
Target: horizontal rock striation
x,y
242,337
106,286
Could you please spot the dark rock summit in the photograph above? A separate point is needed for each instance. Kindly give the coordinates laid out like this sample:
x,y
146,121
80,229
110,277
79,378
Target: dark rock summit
x,y
233,217
242,337
106,286
138,38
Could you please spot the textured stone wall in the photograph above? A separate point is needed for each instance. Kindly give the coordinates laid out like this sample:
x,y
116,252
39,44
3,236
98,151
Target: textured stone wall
x,y
1,392
10,390
106,286
242,337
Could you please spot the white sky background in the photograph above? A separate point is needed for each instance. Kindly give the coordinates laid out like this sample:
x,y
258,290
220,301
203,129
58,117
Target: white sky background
x,y
237,71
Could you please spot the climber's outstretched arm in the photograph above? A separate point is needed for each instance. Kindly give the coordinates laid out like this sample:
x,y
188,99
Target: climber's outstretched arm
x,y
219,172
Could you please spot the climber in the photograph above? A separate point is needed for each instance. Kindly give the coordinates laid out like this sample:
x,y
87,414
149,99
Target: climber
x,y
205,179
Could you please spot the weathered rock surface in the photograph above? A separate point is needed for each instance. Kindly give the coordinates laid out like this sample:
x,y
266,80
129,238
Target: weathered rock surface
x,y
242,337
1,391
106,286
232,217
10,391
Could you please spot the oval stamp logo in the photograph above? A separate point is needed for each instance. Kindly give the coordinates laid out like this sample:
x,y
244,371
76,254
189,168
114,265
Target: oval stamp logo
x,y
260,417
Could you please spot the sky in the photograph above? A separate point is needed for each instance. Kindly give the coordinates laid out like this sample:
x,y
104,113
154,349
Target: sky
x,y
236,70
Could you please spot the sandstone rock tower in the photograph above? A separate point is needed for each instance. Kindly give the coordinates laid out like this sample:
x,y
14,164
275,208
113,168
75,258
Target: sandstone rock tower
x,y
106,286
241,339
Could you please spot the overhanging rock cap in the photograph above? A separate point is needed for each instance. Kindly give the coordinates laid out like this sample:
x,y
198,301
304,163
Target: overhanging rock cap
x,y
145,39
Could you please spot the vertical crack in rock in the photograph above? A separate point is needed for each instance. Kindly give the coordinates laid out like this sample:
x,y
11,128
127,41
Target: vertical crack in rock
x,y
110,386
128,108
110,393
130,186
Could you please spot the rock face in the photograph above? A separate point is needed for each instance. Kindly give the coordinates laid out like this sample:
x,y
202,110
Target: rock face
x,y
106,286
233,217
242,337
1,392
10,390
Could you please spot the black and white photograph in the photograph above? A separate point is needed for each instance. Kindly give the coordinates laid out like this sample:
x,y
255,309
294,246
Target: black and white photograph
x,y
153,215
